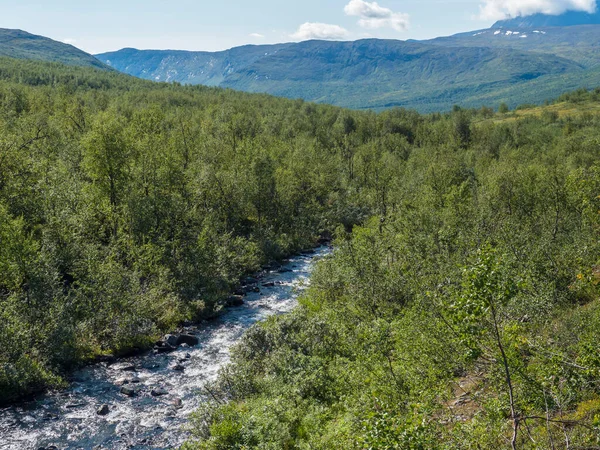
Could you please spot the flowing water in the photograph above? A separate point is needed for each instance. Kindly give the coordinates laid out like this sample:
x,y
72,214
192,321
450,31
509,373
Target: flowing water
x,y
69,420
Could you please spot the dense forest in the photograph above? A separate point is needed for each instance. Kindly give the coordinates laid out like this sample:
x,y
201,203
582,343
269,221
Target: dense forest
x,y
459,309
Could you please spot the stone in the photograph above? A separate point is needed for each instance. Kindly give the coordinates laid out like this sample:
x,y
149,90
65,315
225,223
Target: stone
x,y
285,270
128,391
177,403
103,410
171,340
75,405
178,368
124,367
159,392
163,347
188,339
269,284
235,301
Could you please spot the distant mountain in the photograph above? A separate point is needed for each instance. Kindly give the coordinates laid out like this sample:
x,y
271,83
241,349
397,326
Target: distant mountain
x,y
579,43
22,45
369,73
210,69
568,19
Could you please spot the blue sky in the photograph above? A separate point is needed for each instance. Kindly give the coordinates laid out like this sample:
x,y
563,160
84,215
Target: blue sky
x,y
96,26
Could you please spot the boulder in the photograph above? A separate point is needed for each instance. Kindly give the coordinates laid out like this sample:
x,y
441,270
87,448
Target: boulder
x,y
235,301
163,347
269,284
178,368
103,410
171,340
158,392
177,403
75,405
124,367
128,391
188,339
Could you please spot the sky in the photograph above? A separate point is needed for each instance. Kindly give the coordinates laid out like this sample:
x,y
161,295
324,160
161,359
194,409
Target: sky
x,y
100,26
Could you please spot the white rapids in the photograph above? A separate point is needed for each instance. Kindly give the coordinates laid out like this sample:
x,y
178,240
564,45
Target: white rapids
x,y
69,420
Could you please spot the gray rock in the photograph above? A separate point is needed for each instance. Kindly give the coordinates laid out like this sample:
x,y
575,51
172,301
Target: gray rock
x,y
128,391
159,392
187,339
75,405
163,347
234,301
177,403
178,368
103,410
124,367
171,340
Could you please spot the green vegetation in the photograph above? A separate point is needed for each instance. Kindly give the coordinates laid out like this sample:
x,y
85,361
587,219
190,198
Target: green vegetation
x,y
462,314
459,310
127,207
22,45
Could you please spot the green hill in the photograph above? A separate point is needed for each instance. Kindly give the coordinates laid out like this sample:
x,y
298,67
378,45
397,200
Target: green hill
x,y
22,45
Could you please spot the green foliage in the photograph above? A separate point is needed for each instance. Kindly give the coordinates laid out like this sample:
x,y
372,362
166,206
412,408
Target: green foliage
x,y
466,254
464,306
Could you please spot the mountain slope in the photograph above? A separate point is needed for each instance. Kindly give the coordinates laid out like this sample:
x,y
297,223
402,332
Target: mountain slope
x,y
570,18
579,43
22,45
369,73
206,68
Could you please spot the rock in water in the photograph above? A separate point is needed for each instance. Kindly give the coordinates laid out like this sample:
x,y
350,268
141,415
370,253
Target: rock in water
x,y
159,392
188,339
124,367
103,410
128,391
171,340
178,368
235,300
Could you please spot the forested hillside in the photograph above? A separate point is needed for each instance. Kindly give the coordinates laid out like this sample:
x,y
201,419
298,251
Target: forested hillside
x,y
22,45
459,309
463,314
128,207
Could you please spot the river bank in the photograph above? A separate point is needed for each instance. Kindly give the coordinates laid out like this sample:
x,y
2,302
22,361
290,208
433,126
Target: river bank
x,y
161,389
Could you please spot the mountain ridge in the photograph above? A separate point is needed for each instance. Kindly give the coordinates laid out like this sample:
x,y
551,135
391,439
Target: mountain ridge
x,y
567,19
20,44
362,74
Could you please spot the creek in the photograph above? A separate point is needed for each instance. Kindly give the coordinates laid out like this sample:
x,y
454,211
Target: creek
x,y
157,415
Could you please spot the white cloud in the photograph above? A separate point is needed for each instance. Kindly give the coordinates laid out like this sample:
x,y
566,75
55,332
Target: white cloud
x,y
310,30
502,9
257,35
372,15
69,41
